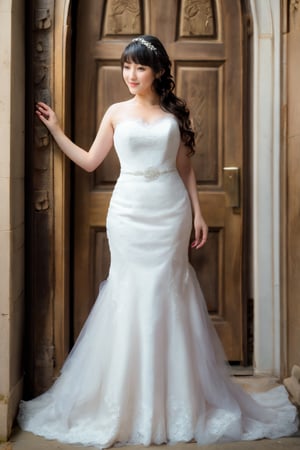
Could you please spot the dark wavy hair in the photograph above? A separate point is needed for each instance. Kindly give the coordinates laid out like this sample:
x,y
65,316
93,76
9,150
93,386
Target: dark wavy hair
x,y
164,85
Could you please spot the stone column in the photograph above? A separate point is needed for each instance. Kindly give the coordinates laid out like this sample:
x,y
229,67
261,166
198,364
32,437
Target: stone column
x,y
291,213
266,85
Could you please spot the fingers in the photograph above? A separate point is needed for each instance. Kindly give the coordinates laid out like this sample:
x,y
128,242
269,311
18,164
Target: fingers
x,y
196,244
201,235
201,243
43,111
41,115
42,108
42,105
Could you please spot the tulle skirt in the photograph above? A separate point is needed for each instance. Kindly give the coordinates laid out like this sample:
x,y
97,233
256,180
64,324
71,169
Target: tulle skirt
x,y
148,367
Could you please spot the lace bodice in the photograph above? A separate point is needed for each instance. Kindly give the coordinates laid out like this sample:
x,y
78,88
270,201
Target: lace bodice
x,y
141,145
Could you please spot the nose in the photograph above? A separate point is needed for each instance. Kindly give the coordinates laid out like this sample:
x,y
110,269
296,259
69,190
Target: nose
x,y
132,74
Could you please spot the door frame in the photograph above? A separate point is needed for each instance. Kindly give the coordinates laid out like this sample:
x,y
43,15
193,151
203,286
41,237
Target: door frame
x,y
269,336
265,158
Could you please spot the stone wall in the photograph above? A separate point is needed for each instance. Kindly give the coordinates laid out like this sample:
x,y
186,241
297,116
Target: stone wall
x,y
12,120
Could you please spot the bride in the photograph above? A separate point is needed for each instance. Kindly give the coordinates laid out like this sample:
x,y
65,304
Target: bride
x,y
148,367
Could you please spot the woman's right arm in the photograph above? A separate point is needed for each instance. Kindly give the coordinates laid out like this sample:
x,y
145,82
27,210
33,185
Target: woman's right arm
x,y
87,160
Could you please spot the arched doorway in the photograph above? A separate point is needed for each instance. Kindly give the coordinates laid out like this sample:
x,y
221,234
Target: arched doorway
x,y
61,99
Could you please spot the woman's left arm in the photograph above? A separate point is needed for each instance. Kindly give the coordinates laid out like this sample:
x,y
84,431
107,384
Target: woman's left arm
x,y
187,174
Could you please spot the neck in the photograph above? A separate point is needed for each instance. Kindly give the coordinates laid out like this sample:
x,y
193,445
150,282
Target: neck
x,y
147,100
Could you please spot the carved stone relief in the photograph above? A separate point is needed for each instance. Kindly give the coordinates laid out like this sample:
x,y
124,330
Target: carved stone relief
x,y
122,17
294,5
43,12
197,18
43,16
40,192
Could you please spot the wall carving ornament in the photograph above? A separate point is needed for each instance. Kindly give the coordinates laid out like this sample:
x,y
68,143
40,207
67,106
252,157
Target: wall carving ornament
x,y
43,13
40,191
42,17
122,17
197,18
294,5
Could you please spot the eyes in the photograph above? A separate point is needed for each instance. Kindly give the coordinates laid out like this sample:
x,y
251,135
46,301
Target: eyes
x,y
139,68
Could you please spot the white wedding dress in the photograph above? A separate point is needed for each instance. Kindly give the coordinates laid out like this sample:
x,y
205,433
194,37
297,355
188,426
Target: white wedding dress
x,y
148,366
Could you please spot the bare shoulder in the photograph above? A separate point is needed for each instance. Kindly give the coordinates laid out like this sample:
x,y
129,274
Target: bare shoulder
x,y
117,111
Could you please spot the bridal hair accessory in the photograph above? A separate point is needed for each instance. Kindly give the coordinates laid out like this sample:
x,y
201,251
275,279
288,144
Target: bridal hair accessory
x,y
145,43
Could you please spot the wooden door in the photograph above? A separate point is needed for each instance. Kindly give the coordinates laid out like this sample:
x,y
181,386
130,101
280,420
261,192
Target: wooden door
x,y
204,41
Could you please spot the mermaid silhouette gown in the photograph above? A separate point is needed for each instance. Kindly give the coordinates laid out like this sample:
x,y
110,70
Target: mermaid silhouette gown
x,y
148,366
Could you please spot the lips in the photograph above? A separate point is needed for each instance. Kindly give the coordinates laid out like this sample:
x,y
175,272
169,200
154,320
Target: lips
x,y
133,84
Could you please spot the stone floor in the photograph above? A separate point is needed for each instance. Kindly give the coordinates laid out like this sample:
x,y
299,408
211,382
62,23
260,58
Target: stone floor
x,y
21,440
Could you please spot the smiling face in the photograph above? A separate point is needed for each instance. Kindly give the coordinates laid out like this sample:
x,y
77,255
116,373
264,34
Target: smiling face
x,y
138,78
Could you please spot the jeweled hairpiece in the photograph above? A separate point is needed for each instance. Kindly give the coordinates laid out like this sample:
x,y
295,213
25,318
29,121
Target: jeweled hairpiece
x,y
145,43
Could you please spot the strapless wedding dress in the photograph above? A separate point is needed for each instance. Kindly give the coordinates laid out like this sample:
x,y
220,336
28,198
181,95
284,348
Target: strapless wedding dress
x,y
148,366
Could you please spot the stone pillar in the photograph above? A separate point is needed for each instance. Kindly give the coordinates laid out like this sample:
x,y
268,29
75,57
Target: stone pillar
x,y
40,355
291,213
266,85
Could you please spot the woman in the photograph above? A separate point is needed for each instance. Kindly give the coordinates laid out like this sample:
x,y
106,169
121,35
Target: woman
x,y
148,366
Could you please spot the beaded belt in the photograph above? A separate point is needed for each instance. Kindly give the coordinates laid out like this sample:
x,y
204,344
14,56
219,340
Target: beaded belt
x,y
152,173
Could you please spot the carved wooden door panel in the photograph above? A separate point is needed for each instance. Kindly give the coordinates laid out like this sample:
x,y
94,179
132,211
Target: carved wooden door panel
x,y
204,41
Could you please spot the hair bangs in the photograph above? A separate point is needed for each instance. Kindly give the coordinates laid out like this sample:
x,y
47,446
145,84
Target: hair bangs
x,y
138,54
